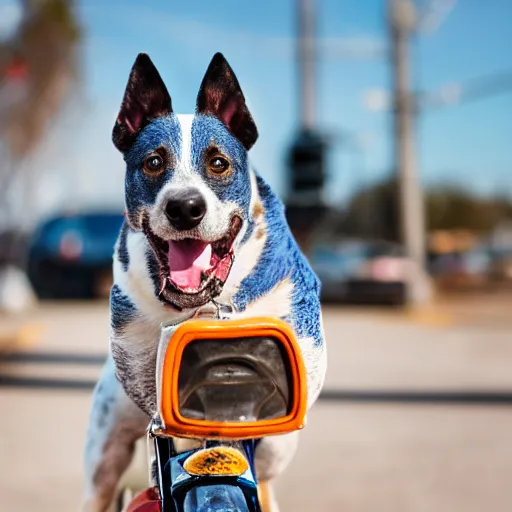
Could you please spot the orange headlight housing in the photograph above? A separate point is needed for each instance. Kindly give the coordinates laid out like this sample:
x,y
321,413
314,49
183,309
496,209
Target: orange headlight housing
x,y
281,384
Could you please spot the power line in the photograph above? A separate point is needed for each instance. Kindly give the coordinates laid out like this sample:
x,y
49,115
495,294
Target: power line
x,y
472,90
453,93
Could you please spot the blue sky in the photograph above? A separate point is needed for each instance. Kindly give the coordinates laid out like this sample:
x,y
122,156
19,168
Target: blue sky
x,y
467,144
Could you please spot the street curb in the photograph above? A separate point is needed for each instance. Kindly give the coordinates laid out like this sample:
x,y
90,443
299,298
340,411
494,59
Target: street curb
x,y
428,315
21,337
8,341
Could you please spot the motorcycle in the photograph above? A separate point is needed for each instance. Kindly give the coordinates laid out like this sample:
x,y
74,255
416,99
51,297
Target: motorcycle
x,y
223,383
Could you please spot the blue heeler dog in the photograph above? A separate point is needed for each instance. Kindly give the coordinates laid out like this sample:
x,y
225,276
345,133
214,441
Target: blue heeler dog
x,y
201,224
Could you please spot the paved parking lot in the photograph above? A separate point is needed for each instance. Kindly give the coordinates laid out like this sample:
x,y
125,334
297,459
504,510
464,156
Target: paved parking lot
x,y
356,456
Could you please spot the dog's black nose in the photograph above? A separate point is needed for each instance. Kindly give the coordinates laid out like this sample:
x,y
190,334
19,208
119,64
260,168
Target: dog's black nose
x,y
186,209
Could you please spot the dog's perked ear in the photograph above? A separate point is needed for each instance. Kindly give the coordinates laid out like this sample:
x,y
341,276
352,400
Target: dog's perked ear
x,y
220,95
145,98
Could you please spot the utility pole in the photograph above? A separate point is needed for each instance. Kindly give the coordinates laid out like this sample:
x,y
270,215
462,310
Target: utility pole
x,y
402,20
305,207
306,56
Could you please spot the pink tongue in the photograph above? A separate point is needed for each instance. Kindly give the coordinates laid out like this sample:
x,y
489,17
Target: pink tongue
x,y
187,259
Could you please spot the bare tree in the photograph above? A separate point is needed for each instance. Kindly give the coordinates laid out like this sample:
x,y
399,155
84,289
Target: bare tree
x,y
38,67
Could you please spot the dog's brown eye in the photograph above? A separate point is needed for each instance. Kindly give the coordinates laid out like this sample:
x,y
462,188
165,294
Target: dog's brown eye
x,y
153,164
218,164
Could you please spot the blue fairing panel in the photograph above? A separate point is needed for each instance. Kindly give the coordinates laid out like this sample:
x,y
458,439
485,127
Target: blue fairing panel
x,y
215,498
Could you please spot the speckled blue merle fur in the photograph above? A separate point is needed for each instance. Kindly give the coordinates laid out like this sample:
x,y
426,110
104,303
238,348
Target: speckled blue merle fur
x,y
141,190
268,275
231,193
282,259
122,250
122,309
208,131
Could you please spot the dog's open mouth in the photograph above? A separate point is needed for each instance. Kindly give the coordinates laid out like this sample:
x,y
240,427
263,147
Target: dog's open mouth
x,y
193,271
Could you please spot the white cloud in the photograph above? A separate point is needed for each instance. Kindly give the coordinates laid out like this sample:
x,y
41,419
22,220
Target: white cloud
x,y
198,35
11,14
377,99
76,167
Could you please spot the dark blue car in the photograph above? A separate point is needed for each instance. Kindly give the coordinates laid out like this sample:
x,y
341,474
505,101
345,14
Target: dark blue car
x,y
70,256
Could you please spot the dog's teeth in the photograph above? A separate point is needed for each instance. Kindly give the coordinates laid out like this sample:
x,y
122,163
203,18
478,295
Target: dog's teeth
x,y
162,288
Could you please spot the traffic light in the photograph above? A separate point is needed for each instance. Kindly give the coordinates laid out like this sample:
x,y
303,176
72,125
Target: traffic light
x,y
305,207
307,162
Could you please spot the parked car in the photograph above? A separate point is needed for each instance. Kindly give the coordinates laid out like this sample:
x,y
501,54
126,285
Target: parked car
x,y
70,256
501,265
13,245
470,269
361,272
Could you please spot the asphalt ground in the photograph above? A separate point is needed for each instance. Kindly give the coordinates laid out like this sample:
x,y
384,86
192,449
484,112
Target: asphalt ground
x,y
416,413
